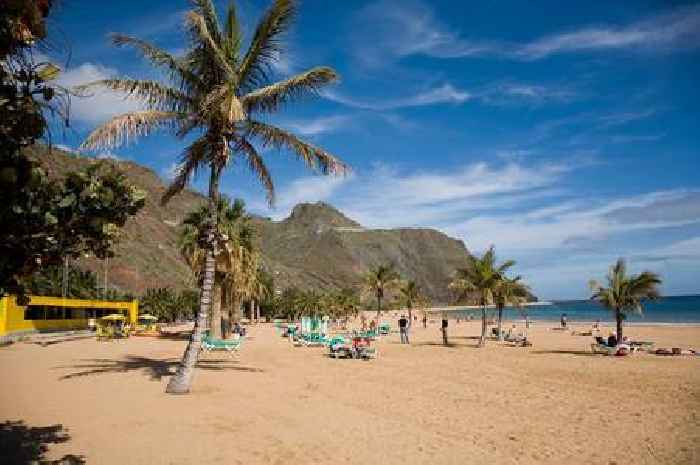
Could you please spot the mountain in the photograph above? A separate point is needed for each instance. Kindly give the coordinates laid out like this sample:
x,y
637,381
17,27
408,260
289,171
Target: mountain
x,y
315,247
318,246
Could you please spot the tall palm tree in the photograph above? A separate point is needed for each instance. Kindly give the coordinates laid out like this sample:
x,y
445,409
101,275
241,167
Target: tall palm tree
x,y
510,291
217,93
625,293
236,259
411,295
483,277
377,280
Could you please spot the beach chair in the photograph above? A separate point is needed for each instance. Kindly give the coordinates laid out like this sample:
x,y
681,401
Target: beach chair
x,y
231,346
384,329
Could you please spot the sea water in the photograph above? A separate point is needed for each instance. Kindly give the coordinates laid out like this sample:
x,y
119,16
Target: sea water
x,y
666,310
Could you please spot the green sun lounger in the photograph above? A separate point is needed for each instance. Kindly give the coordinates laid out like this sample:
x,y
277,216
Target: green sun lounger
x,y
210,344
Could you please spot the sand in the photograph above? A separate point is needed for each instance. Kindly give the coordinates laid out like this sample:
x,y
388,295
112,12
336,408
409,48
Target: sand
x,y
552,403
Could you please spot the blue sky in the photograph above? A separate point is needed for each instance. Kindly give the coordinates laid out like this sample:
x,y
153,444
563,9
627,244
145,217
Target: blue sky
x,y
565,133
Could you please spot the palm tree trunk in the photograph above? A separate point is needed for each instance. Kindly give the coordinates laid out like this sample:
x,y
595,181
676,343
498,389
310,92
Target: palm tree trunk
x,y
215,327
235,309
182,381
410,316
379,307
225,312
482,341
618,319
252,310
500,319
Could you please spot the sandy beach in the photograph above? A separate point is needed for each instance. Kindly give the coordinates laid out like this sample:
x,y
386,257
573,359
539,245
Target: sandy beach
x,y
425,403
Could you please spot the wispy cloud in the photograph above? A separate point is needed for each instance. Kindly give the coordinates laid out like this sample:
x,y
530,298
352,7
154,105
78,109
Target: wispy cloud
x,y
618,119
442,94
411,27
679,29
317,126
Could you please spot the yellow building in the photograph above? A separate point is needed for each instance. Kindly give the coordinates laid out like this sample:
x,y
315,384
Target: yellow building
x,y
57,314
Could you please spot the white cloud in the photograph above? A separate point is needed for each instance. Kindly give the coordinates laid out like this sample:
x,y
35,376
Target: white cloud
x,y
283,63
170,171
108,155
304,189
410,27
65,148
560,237
317,126
437,95
102,104
678,29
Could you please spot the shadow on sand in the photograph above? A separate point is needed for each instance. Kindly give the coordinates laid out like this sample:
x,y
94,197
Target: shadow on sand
x,y
23,445
154,368
450,345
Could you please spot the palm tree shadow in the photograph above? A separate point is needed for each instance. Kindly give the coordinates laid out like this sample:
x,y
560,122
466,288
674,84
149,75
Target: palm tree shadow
x,y
21,444
581,353
156,369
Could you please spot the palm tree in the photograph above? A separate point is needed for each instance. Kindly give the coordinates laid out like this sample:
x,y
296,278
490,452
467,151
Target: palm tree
x,y
236,262
482,276
378,280
216,92
625,293
411,295
510,291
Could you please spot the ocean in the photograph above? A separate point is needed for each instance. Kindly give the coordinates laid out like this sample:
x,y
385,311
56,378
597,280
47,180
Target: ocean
x,y
667,310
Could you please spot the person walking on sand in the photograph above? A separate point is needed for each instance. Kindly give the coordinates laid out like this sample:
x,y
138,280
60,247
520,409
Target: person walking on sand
x,y
444,331
425,320
403,329
563,320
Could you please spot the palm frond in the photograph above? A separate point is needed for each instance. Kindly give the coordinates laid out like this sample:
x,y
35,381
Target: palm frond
x,y
199,29
160,58
206,9
314,157
266,44
192,158
270,98
232,35
156,95
257,166
120,129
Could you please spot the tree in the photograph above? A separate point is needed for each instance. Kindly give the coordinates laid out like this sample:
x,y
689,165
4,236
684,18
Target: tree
x,y
237,262
217,92
483,277
625,293
45,221
53,220
168,305
510,291
411,295
378,280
